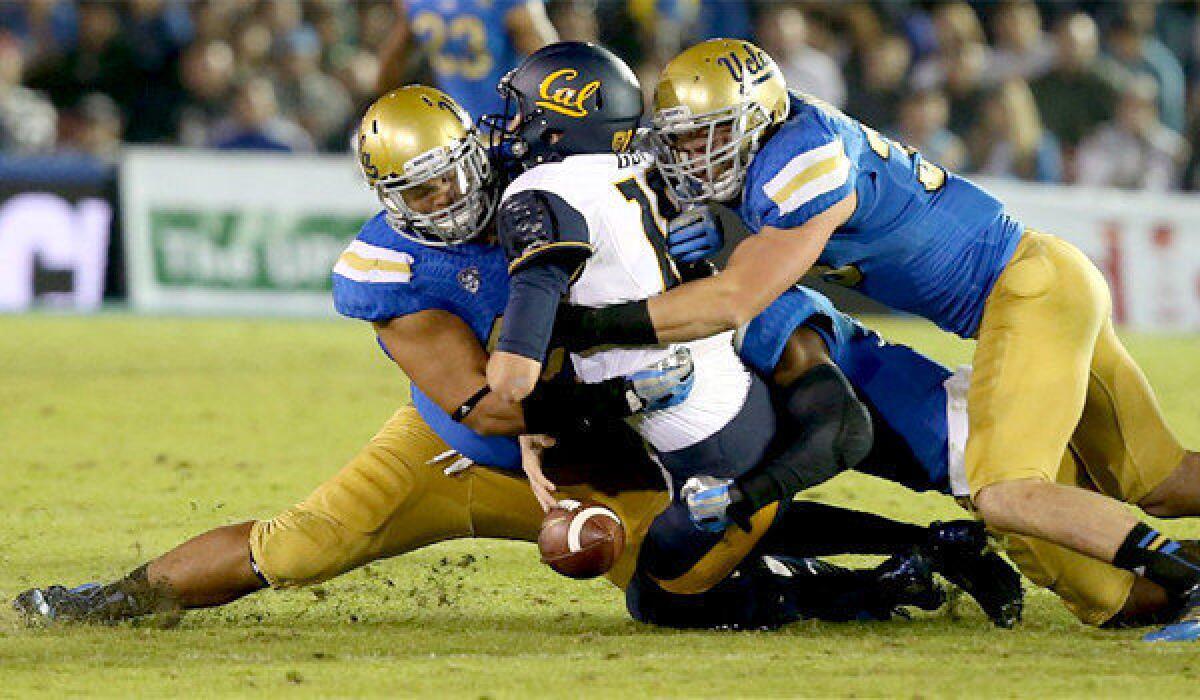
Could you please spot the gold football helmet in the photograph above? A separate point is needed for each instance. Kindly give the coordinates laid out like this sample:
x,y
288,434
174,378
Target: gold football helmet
x,y
712,104
421,154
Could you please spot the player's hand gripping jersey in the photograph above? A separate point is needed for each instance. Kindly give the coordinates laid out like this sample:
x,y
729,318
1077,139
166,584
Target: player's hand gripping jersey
x,y
920,240
596,213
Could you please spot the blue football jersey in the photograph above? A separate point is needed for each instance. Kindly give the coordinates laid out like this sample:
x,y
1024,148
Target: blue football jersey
x,y
920,240
906,391
383,275
469,46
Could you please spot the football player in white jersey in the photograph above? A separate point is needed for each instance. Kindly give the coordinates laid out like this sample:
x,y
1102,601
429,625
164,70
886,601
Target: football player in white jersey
x,y
583,220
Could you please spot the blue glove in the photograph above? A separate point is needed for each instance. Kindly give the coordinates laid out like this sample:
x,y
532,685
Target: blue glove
x,y
708,500
695,235
664,384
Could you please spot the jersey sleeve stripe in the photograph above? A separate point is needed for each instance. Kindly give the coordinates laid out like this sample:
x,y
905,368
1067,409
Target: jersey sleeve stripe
x,y
374,252
359,269
808,175
528,255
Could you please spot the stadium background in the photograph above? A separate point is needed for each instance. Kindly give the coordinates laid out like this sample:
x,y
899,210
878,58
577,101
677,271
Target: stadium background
x,y
1030,97
126,431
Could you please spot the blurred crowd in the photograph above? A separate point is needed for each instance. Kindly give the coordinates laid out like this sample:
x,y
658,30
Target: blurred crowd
x,y
1079,92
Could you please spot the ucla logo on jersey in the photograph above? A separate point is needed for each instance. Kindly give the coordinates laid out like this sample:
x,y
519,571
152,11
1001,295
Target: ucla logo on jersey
x,y
751,60
559,95
470,279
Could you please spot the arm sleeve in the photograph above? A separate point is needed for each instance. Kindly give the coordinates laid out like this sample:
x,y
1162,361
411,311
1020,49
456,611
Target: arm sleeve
x,y
546,242
809,169
828,431
532,302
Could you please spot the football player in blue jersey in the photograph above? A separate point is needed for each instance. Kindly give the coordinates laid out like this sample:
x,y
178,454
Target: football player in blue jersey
x,y
820,189
471,44
919,412
426,276
581,219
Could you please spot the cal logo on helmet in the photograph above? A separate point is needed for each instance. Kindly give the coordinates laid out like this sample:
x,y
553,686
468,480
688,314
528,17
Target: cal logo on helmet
x,y
559,93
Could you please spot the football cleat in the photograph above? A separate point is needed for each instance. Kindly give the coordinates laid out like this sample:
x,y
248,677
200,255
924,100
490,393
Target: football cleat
x,y
959,552
907,581
1186,627
90,603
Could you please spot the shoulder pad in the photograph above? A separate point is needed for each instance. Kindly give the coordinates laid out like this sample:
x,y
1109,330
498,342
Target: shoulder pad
x,y
372,283
536,225
803,170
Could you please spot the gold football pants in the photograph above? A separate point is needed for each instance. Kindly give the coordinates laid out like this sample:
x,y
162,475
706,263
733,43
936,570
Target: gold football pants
x,y
1050,371
394,497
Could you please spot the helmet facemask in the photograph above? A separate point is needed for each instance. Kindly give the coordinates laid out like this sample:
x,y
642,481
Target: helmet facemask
x,y
720,170
506,129
465,165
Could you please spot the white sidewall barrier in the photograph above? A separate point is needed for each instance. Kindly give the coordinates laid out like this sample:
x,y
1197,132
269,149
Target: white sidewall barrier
x,y
1147,244
220,232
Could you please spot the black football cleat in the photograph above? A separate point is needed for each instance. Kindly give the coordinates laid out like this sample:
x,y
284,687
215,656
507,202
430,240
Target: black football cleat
x,y
959,551
58,604
90,603
907,581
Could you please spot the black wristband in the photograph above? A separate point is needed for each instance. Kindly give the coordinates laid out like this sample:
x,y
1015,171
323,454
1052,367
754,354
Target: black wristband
x,y
580,328
557,407
460,414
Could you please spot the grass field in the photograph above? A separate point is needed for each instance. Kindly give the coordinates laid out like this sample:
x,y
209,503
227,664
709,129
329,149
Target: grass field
x,y
119,436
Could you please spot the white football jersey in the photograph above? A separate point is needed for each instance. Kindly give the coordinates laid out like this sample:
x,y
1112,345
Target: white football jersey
x,y
629,262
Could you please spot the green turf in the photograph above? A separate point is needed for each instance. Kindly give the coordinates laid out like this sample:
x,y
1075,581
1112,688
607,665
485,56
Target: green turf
x,y
121,435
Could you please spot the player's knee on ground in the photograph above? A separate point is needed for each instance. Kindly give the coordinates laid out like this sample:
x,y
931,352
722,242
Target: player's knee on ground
x,y
300,547
753,597
337,527
1094,591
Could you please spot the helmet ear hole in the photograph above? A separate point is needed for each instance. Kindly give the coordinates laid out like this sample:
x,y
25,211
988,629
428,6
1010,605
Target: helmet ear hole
x,y
600,100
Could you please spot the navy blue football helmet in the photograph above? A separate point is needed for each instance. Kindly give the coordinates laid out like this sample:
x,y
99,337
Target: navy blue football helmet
x,y
566,98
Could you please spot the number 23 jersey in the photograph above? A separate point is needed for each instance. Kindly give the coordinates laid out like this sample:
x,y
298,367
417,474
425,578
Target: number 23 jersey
x,y
920,240
470,47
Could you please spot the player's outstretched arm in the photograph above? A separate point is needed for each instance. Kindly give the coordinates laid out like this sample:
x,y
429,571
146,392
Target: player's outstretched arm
x,y
762,267
440,354
546,241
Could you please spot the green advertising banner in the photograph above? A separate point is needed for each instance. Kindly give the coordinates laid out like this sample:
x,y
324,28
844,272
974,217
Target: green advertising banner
x,y
211,232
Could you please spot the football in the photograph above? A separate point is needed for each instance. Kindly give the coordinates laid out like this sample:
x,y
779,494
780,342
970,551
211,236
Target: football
x,y
581,539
